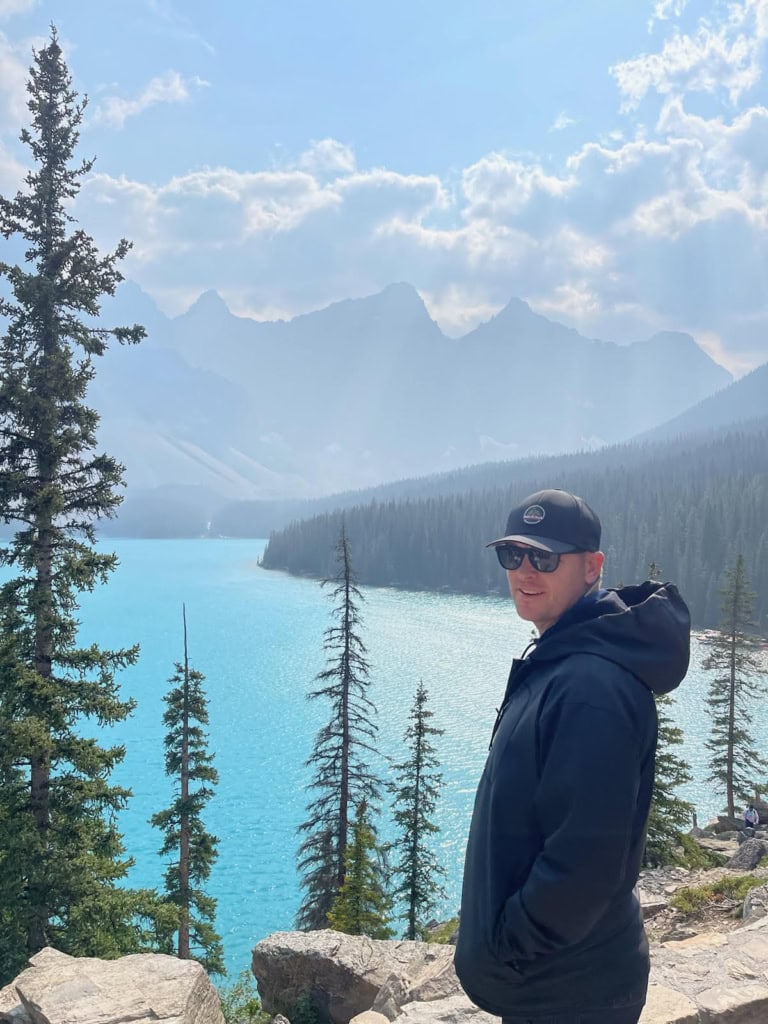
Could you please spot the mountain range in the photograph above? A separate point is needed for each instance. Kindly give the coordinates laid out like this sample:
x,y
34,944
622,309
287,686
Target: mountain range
x,y
213,407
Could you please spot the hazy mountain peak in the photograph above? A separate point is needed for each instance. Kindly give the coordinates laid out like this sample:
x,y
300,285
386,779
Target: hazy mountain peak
x,y
393,304
397,299
518,314
516,308
401,291
208,303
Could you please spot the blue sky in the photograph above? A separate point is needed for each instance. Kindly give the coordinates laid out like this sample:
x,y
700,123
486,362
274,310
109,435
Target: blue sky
x,y
607,162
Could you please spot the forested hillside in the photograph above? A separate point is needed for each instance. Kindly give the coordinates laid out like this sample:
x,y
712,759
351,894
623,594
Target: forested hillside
x,y
690,505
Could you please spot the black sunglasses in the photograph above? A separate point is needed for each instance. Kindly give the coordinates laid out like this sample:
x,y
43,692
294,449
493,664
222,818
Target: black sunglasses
x,y
511,557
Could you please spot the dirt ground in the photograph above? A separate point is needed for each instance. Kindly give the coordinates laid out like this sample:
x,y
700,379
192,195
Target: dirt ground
x,y
720,914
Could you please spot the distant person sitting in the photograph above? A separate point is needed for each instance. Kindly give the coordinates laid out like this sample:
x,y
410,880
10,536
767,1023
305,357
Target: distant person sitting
x,y
750,816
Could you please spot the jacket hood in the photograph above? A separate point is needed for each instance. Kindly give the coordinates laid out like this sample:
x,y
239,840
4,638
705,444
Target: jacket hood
x,y
645,628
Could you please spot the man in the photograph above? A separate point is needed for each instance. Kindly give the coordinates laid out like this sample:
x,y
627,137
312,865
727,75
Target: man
x,y
750,816
550,929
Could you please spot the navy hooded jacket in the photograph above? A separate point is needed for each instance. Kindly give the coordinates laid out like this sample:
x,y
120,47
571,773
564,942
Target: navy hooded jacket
x,y
549,920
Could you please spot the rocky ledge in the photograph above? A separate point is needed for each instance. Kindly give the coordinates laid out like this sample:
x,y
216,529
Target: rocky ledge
x,y
708,978
147,988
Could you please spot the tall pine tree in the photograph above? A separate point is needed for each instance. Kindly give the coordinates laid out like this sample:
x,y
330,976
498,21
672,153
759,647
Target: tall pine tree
x,y
361,906
61,852
416,793
194,849
670,814
734,761
343,749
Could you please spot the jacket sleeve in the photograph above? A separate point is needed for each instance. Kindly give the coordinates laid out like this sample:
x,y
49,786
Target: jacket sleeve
x,y
586,805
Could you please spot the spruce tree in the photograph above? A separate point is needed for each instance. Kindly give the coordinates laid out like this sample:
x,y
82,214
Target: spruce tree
x,y
361,906
194,849
669,814
343,748
734,761
416,793
62,854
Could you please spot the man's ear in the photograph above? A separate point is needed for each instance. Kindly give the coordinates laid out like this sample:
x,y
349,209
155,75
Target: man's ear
x,y
594,566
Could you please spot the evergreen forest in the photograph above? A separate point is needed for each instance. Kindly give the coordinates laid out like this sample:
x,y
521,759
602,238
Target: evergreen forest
x,y
693,504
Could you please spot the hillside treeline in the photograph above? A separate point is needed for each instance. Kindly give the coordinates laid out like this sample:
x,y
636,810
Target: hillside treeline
x,y
690,505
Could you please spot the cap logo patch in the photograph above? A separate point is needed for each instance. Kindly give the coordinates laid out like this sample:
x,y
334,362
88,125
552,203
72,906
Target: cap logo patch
x,y
533,515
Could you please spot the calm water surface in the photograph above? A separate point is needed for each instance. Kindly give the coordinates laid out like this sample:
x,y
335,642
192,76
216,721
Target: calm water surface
x,y
257,637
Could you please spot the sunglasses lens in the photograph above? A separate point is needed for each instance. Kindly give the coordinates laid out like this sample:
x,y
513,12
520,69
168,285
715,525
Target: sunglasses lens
x,y
510,557
544,561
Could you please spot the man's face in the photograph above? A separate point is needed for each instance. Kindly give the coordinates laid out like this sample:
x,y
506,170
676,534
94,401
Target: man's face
x,y
542,597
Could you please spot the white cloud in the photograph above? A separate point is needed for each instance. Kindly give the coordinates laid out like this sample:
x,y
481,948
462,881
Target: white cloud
x,y
723,58
458,309
11,7
498,187
643,228
617,242
168,88
14,69
736,363
562,121
328,155
573,302
663,10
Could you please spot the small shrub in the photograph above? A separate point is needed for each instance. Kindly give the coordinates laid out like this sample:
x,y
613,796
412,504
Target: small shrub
x,y
240,1003
691,899
697,856
442,934
305,1012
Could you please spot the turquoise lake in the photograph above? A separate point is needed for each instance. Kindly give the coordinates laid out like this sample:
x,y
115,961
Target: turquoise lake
x,y
257,636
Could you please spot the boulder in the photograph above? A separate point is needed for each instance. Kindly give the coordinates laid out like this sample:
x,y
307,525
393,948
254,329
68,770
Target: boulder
x,y
749,855
723,823
725,847
651,903
367,1017
700,833
723,974
145,988
746,1003
453,1010
666,1006
755,903
340,974
420,982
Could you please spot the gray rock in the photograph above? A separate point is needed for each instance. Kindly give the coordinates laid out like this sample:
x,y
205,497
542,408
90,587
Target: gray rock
x,y
746,1003
141,989
722,973
749,855
420,982
453,1010
700,833
725,824
666,1006
367,1017
755,903
651,903
341,974
726,847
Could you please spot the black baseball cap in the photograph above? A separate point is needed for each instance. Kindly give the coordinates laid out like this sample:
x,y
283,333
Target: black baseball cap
x,y
553,520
